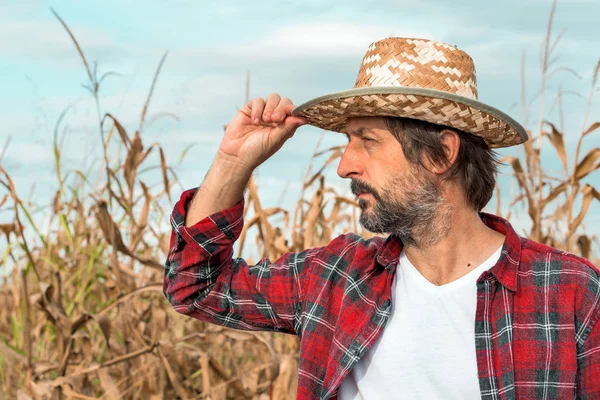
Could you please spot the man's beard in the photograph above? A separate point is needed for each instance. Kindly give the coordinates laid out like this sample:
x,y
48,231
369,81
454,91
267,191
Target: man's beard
x,y
410,207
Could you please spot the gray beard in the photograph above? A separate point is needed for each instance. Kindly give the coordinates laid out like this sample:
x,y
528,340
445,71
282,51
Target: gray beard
x,y
421,220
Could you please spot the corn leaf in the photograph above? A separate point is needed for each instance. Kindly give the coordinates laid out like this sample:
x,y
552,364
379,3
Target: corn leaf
x,y
588,164
556,138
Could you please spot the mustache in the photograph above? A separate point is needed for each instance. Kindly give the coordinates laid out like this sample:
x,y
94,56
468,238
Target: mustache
x,y
358,187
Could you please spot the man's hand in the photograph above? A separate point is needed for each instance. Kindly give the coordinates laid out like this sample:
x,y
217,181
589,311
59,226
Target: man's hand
x,y
255,134
259,130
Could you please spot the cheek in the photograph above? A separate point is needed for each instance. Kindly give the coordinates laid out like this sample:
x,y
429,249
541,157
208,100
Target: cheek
x,y
384,163
397,183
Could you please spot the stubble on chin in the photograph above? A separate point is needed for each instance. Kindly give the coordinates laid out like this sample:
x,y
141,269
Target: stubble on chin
x,y
420,218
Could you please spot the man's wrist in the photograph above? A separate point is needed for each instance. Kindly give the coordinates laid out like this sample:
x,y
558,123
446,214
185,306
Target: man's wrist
x,y
222,188
232,164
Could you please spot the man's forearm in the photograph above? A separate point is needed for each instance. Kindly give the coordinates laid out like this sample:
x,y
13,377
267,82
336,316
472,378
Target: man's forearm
x,y
223,187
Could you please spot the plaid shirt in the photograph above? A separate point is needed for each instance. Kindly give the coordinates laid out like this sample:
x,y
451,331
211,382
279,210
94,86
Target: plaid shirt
x,y
536,331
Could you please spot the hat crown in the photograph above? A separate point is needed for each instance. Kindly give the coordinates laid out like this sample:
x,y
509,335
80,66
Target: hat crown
x,y
420,63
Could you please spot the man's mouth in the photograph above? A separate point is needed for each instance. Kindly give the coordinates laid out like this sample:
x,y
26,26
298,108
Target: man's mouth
x,y
360,190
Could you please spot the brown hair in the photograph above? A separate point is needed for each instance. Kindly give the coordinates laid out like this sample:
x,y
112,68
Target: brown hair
x,y
476,165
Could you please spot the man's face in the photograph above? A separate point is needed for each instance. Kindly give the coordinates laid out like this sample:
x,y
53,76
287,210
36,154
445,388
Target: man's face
x,y
394,195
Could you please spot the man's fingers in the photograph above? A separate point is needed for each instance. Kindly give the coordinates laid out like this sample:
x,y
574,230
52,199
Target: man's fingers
x,y
288,108
280,111
272,112
258,106
271,104
298,121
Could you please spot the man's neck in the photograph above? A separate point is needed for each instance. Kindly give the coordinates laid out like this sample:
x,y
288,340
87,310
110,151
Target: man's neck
x,y
467,244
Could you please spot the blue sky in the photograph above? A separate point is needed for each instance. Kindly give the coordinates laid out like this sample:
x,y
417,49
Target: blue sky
x,y
301,49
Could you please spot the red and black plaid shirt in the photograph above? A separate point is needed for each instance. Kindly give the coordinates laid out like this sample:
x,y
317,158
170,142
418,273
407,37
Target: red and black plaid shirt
x,y
536,331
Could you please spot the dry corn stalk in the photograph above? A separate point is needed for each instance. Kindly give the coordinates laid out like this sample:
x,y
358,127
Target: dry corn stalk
x,y
84,316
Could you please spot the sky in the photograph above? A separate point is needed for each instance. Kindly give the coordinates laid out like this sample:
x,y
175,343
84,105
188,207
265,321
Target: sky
x,y
300,49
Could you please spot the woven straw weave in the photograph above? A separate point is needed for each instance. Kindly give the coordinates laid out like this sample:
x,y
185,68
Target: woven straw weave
x,y
420,79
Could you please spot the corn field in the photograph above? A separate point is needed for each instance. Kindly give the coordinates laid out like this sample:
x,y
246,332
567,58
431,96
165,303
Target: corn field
x,y
83,311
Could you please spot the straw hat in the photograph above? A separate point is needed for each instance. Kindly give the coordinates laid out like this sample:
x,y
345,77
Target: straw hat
x,y
420,79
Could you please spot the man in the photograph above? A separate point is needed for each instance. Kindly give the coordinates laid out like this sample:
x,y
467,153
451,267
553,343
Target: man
x,y
470,309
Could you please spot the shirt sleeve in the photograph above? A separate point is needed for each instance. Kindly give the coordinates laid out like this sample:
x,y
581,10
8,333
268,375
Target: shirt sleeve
x,y
588,338
204,281
588,361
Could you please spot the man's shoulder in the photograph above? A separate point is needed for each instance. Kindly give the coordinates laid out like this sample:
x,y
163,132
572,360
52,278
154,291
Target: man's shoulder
x,y
569,278
546,266
534,254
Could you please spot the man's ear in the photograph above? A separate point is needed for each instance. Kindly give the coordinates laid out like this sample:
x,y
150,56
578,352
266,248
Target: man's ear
x,y
451,143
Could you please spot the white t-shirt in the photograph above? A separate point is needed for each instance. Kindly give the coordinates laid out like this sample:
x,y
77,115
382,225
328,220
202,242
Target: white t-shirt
x,y
427,349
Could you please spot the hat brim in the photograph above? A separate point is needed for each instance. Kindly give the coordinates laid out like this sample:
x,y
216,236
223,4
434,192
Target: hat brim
x,y
331,111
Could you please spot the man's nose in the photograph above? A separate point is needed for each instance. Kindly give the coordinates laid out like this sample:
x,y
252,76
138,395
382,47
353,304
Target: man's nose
x,y
349,165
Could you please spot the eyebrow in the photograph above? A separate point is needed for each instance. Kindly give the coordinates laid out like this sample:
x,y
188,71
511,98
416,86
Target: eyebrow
x,y
358,132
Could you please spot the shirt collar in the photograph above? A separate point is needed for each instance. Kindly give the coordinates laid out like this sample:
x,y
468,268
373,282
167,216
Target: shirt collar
x,y
505,270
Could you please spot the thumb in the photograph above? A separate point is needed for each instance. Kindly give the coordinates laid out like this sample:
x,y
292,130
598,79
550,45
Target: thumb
x,y
289,126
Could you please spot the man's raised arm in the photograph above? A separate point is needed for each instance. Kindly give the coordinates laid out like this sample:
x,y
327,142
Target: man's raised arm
x,y
202,279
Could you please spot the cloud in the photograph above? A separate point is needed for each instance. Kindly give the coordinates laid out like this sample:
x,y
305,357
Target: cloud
x,y
325,39
313,41
48,41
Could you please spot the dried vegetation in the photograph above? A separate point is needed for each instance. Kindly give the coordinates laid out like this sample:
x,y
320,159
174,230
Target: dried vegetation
x,y
83,313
